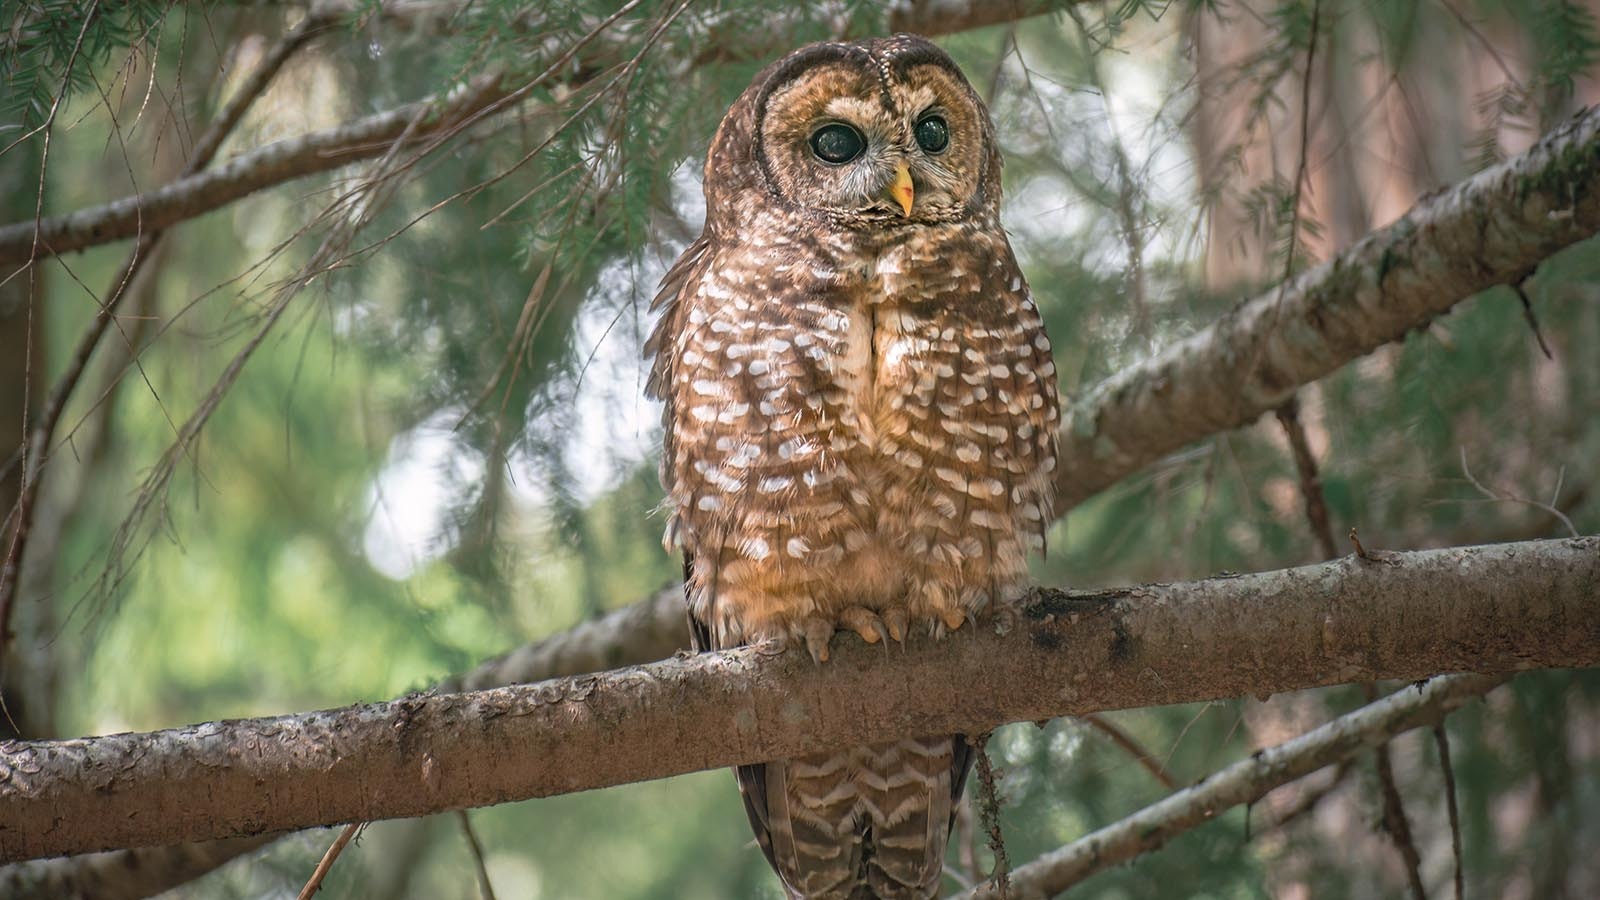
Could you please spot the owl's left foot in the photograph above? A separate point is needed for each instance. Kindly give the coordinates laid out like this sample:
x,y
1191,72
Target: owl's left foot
x,y
866,623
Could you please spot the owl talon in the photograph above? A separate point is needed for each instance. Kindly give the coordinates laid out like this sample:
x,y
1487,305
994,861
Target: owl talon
x,y
817,633
1005,620
897,621
954,618
866,623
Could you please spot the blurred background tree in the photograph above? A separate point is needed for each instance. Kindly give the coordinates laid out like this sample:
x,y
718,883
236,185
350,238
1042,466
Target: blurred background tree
x,y
439,448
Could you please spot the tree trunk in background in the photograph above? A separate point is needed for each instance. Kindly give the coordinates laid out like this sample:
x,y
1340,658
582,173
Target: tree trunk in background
x,y
1387,125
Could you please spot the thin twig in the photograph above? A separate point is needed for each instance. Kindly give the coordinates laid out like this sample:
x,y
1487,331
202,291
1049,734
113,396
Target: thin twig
x,y
1394,812
314,883
989,817
1129,199
1316,504
1360,550
485,889
1532,320
11,567
1134,749
1442,739
1505,496
1305,142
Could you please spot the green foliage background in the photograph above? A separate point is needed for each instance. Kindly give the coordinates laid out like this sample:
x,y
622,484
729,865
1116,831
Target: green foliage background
x,y
254,590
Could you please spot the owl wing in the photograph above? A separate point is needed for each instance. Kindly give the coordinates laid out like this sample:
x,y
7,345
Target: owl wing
x,y
680,281
752,779
685,273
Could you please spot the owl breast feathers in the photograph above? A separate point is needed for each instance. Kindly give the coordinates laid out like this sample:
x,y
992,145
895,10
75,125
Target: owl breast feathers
x,y
860,423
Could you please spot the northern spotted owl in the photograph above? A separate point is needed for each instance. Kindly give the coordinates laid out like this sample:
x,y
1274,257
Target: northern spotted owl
x,y
860,423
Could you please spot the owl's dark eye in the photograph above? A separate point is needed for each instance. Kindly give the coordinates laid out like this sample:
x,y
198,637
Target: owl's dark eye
x,y
837,143
933,135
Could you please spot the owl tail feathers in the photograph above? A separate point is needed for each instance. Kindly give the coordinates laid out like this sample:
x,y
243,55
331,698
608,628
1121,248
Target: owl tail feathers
x,y
811,840
869,823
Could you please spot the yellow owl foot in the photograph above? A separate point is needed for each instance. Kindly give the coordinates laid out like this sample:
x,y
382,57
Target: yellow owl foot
x,y
945,621
866,623
898,622
874,627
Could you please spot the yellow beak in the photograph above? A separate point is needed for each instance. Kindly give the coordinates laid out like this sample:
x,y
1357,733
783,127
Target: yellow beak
x,y
901,191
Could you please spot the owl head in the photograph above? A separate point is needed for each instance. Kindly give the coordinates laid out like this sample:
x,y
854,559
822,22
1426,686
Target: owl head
x,y
878,133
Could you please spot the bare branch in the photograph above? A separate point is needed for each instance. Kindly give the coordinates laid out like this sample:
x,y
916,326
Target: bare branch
x,y
1508,497
643,632
325,865
1404,616
485,886
1128,745
1305,465
1442,739
1492,229
1243,782
276,163
1394,813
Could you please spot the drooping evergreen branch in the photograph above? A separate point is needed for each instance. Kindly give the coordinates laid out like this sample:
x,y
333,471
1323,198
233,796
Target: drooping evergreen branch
x,y
1243,782
1494,228
37,447
333,148
264,167
1393,616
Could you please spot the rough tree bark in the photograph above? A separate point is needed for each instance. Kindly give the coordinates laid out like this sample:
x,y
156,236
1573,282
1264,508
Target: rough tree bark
x,y
652,629
1392,616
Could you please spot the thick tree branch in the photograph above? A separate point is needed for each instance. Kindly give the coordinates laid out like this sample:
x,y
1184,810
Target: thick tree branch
x,y
1397,616
643,632
1243,782
1494,228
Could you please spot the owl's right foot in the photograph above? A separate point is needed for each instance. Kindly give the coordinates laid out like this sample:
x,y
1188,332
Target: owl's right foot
x,y
817,631
898,621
